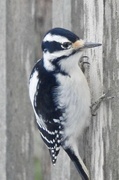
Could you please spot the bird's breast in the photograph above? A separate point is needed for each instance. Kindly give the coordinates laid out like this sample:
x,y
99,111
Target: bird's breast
x,y
74,97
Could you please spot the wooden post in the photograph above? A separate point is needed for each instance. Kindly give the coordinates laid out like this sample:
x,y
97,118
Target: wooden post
x,y
93,32
96,21
62,168
16,117
43,22
111,82
3,139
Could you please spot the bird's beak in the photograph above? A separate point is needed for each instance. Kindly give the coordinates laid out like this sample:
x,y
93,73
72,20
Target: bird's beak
x,y
81,44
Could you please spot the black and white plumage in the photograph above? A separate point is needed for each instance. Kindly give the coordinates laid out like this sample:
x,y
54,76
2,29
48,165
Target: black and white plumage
x,y
60,95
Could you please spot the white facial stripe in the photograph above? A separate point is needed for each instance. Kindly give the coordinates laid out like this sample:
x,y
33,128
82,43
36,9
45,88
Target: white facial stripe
x,y
49,37
61,53
51,56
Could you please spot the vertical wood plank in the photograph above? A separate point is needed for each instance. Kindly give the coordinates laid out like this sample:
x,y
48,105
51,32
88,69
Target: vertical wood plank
x,y
3,139
61,18
93,32
111,82
98,21
43,22
61,13
16,55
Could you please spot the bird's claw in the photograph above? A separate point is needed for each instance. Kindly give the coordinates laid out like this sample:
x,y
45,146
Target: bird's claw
x,y
96,104
83,60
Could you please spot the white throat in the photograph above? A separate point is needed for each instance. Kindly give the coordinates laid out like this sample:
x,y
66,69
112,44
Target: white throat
x,y
70,64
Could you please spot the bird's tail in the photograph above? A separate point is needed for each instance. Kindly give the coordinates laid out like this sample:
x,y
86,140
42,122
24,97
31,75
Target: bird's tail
x,y
80,166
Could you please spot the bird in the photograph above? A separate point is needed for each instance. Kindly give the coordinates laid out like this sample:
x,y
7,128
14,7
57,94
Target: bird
x,y
60,95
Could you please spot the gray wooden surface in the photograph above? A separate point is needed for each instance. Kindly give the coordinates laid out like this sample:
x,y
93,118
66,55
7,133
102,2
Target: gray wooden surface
x,y
96,21
43,22
16,117
3,140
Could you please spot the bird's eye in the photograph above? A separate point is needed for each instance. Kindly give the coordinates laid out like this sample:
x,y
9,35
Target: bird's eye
x,y
66,45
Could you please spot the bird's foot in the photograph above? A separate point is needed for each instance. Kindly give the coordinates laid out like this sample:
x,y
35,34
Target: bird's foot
x,y
83,61
96,105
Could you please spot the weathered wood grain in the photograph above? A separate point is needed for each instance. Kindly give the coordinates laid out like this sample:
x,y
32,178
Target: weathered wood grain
x,y
97,21
16,57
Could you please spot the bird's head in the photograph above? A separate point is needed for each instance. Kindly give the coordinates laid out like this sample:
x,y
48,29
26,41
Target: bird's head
x,y
59,44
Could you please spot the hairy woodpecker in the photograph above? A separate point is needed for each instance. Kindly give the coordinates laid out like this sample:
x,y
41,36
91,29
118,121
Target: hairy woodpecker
x,y
60,95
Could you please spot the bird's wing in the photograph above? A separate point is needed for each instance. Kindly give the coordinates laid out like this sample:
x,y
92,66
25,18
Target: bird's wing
x,y
47,114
